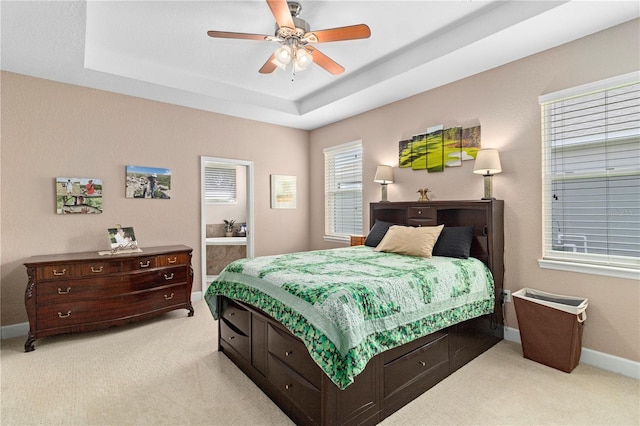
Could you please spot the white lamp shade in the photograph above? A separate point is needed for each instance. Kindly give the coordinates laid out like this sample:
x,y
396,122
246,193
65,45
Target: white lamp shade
x,y
487,162
384,174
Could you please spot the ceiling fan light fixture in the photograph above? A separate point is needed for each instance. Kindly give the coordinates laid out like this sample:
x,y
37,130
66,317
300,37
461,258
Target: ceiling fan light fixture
x,y
283,54
303,58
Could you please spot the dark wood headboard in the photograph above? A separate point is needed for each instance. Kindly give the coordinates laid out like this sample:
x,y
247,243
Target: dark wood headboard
x,y
486,216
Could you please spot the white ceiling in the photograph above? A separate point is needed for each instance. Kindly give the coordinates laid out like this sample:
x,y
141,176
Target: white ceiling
x,y
160,49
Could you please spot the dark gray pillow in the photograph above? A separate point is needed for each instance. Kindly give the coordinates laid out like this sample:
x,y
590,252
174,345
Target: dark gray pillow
x,y
454,241
376,233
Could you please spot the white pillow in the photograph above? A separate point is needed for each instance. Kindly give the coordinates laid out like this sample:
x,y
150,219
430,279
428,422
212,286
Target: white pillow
x,y
414,241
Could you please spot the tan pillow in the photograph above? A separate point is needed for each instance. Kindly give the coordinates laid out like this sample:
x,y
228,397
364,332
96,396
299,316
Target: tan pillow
x,y
409,240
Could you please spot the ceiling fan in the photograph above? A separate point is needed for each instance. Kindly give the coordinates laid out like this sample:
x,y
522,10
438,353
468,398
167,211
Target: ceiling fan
x,y
296,38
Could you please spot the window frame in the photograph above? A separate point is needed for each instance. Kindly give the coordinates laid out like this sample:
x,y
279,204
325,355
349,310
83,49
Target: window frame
x,y
590,263
330,233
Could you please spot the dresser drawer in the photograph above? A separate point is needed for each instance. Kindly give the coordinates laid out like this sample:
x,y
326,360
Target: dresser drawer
x,y
172,259
107,286
417,364
140,263
97,268
237,316
235,338
294,354
56,272
116,307
295,387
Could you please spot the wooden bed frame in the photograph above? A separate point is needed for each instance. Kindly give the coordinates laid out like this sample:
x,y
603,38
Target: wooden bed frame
x,y
280,365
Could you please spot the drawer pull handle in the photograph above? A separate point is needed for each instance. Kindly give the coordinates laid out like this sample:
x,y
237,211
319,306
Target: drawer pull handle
x,y
61,291
232,314
168,297
100,269
145,265
288,353
422,363
67,315
168,277
232,337
174,260
287,387
56,273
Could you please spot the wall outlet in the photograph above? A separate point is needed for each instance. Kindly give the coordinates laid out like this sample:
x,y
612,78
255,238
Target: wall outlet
x,y
506,296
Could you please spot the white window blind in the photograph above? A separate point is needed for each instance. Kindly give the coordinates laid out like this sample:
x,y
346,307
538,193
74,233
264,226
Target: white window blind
x,y
343,191
591,174
220,184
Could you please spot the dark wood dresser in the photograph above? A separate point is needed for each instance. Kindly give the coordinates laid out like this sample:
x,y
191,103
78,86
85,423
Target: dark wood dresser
x,y
75,292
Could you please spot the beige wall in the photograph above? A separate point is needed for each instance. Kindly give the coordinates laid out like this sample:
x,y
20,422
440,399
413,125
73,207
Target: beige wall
x,y
51,129
504,101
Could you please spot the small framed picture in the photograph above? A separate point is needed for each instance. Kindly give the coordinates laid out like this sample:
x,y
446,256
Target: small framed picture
x,y
283,192
148,182
78,195
122,237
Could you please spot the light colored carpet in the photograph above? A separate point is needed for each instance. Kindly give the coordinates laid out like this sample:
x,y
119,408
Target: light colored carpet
x,y
167,371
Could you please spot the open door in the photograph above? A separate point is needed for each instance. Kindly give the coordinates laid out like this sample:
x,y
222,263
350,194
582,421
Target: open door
x,y
208,211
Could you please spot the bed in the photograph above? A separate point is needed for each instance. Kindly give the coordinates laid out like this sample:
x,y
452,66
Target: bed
x,y
387,328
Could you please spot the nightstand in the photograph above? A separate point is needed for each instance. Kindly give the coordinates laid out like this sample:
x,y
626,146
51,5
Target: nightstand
x,y
357,240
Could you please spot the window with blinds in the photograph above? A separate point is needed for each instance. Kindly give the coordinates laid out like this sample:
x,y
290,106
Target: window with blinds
x,y
343,191
591,175
220,184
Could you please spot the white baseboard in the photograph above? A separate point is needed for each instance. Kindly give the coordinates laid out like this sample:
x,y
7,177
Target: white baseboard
x,y
612,363
17,330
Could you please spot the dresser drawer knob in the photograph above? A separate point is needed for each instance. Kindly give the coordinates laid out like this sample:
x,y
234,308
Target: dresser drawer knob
x,y
145,265
422,363
288,353
168,277
67,315
61,291
287,387
168,297
419,211
97,270
232,314
56,273
174,260
232,337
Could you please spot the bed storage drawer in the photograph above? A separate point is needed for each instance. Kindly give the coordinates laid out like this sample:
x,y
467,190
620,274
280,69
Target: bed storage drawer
x,y
416,365
295,387
293,353
235,338
422,216
236,315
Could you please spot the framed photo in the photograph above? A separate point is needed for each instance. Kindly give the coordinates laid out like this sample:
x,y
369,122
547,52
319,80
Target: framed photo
x,y
283,192
122,238
148,182
78,195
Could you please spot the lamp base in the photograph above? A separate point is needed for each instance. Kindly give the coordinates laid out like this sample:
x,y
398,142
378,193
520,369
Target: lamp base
x,y
488,190
384,193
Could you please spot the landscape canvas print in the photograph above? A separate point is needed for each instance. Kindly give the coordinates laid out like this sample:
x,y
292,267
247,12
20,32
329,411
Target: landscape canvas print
x,y
78,195
148,182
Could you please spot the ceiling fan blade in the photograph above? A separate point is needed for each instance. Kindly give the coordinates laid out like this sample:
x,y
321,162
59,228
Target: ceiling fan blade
x,y
352,32
245,36
325,62
280,10
269,66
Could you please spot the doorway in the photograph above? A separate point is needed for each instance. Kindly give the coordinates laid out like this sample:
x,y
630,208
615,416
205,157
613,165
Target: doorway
x,y
245,169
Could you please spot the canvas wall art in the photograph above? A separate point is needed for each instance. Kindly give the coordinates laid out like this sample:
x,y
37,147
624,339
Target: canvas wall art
x,y
78,195
283,192
148,182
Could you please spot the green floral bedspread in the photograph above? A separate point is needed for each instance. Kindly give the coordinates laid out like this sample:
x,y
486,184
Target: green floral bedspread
x,y
349,304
